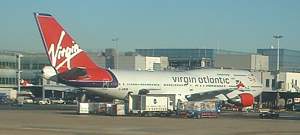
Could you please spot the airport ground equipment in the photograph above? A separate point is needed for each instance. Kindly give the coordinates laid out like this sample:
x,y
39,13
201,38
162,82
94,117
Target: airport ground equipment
x,y
102,108
296,107
269,115
199,109
9,93
28,100
115,109
150,105
45,101
3,98
83,108
57,101
98,108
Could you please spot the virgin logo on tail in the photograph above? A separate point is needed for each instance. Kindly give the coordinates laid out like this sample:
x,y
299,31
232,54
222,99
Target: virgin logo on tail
x,y
63,53
240,85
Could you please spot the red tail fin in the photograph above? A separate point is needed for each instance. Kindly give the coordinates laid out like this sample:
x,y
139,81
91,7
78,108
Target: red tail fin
x,y
63,52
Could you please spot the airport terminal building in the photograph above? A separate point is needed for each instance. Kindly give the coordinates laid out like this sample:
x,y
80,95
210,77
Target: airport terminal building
x,y
288,59
187,58
8,70
111,58
31,65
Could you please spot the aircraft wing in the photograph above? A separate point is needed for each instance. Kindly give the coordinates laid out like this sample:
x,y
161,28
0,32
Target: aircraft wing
x,y
222,94
211,95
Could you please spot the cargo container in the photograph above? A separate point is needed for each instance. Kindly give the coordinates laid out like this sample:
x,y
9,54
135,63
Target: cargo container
x,y
115,110
83,108
120,109
101,109
150,105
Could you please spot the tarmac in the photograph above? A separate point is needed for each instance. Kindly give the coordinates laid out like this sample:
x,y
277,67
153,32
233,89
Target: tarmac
x,y
38,120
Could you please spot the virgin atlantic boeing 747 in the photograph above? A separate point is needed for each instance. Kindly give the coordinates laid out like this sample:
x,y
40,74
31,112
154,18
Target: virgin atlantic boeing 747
x,y
72,66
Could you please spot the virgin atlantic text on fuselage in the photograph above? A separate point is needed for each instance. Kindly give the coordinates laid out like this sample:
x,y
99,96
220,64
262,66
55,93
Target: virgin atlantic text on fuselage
x,y
204,79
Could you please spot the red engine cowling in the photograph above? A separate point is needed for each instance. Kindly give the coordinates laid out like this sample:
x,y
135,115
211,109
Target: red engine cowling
x,y
247,99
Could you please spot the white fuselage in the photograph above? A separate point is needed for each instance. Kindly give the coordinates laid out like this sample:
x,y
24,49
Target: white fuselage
x,y
180,83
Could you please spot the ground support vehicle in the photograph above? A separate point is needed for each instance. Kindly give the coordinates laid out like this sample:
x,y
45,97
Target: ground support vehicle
x,y
269,115
150,105
199,109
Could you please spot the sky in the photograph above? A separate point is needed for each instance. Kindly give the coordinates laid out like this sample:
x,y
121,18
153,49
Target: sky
x,y
239,25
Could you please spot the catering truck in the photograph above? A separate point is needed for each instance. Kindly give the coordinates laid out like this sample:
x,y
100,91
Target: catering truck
x,y
150,105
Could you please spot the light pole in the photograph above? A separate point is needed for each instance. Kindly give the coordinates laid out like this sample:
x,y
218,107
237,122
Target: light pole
x,y
277,37
19,56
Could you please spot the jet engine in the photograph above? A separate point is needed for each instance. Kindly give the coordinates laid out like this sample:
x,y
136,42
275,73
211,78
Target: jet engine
x,y
49,72
246,99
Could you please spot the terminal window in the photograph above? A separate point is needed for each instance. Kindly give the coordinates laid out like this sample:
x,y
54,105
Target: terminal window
x,y
7,65
267,82
7,80
273,83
